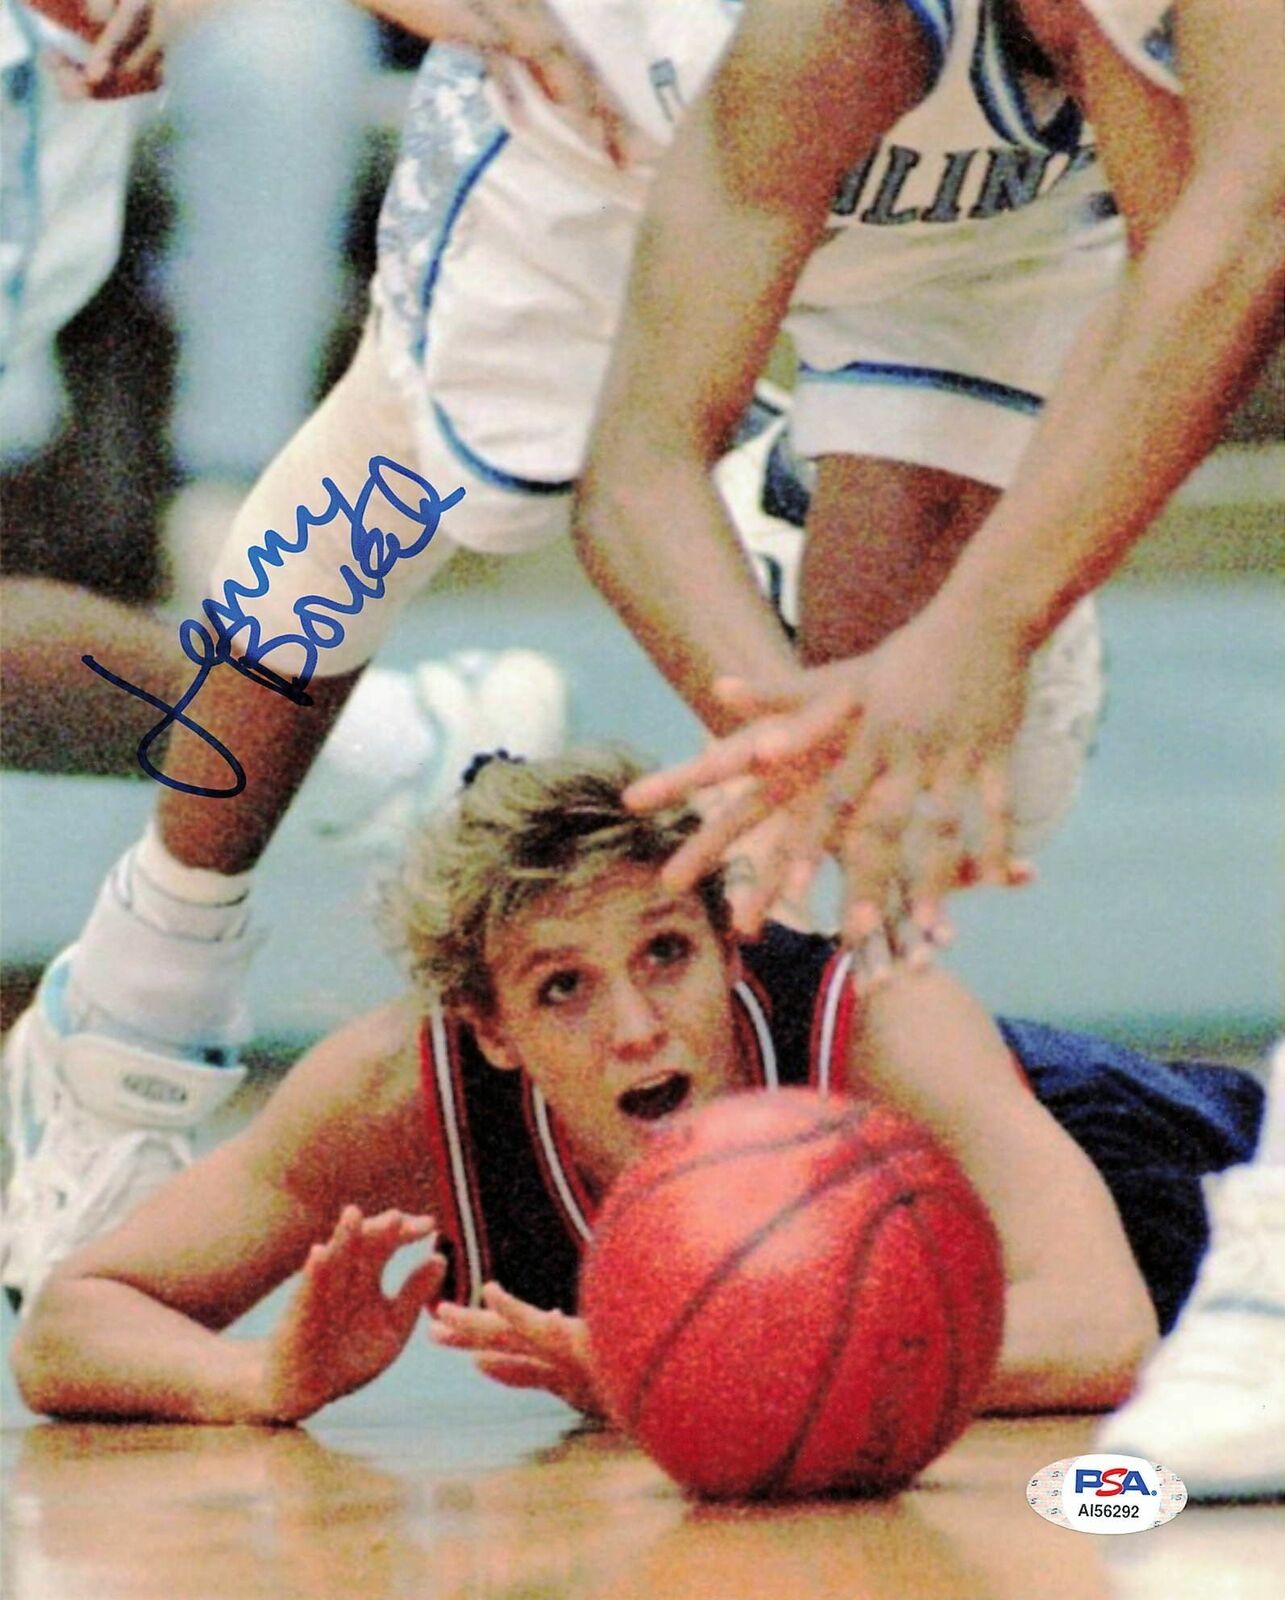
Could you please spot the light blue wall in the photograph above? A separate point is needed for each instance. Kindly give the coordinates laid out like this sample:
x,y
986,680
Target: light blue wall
x,y
1158,911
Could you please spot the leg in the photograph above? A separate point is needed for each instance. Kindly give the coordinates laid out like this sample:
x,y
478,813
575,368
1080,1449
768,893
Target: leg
x,y
132,1038
881,537
60,717
154,986
275,740
919,406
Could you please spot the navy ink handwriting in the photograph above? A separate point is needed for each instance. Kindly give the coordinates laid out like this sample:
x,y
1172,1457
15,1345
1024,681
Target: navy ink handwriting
x,y
208,644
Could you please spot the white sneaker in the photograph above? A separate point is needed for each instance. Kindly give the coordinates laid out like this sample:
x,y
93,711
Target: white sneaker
x,y
1222,1553
766,489
521,699
387,756
1065,695
403,741
93,1126
1210,1404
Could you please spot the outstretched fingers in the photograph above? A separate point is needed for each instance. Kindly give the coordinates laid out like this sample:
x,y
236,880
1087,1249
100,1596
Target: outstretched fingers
x,y
422,1286
738,755
530,32
457,1327
996,863
351,1262
719,831
553,1331
531,1372
801,725
126,54
868,843
937,850
516,1371
505,1325
769,872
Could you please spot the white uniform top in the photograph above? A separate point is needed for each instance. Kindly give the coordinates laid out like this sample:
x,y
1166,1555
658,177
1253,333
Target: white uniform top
x,y
930,325
994,157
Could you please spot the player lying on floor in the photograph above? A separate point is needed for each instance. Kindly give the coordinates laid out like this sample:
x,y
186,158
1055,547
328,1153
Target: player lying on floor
x,y
565,1002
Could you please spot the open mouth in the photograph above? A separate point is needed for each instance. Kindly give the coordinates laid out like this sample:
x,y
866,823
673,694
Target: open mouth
x,y
657,1098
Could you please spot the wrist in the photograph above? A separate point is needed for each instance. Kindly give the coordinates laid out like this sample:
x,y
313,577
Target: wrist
x,y
256,1392
1016,580
967,610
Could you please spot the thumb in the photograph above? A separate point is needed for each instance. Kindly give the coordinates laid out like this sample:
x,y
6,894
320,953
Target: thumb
x,y
419,1290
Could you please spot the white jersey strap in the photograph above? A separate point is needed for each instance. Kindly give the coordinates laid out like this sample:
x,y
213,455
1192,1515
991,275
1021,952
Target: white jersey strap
x,y
752,1010
470,1272
834,1002
560,1174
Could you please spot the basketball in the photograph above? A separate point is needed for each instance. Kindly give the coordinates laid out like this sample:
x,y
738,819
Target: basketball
x,y
788,1294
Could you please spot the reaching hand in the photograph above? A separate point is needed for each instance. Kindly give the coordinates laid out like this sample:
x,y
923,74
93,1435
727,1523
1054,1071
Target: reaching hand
x,y
896,762
522,1347
340,1330
765,873
127,40
528,32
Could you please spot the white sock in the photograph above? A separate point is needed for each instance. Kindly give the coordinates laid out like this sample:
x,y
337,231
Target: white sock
x,y
163,956
192,902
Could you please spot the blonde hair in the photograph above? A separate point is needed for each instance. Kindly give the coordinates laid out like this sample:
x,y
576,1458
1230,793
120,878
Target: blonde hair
x,y
519,830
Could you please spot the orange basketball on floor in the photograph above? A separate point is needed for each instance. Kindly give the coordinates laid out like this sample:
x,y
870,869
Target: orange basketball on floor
x,y
788,1294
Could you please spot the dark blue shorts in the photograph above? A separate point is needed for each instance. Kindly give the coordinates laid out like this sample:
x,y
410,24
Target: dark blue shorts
x,y
1152,1129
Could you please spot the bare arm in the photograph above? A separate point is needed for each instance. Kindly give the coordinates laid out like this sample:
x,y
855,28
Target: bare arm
x,y
737,207
1201,183
914,739
132,1326
1078,1317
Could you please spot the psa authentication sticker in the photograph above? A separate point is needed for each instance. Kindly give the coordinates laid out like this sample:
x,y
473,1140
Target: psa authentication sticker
x,y
1106,1494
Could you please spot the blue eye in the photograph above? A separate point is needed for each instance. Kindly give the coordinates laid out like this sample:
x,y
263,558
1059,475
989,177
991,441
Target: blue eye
x,y
558,988
668,949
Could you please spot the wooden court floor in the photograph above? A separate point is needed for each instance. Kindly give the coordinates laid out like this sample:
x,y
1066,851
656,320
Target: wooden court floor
x,y
527,1510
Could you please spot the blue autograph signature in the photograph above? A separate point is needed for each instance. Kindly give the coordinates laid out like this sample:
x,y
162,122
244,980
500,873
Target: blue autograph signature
x,y
375,554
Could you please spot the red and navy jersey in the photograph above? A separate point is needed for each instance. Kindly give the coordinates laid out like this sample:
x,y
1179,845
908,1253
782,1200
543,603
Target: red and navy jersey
x,y
511,1205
